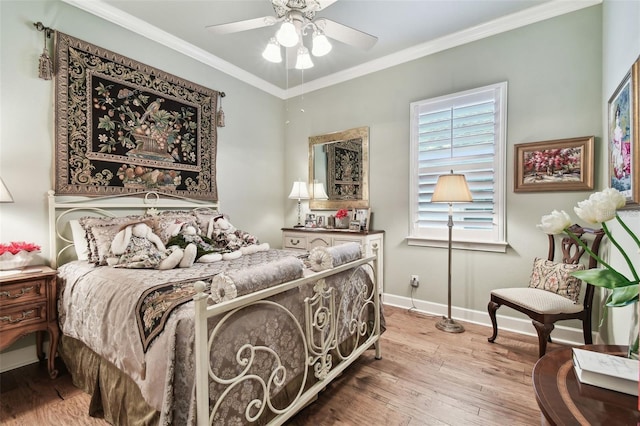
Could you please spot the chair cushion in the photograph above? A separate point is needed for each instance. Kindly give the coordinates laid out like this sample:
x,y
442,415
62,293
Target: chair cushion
x,y
543,302
556,278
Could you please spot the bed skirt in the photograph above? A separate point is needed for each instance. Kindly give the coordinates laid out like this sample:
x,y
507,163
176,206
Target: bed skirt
x,y
115,397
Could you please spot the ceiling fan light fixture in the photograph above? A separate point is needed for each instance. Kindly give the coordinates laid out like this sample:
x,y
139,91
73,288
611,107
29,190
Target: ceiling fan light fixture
x,y
304,59
272,51
321,45
287,34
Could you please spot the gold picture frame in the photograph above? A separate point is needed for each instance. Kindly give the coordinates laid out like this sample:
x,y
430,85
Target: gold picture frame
x,y
623,137
339,162
556,165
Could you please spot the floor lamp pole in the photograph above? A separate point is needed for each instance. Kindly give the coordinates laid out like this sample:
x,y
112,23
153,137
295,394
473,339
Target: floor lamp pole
x,y
447,323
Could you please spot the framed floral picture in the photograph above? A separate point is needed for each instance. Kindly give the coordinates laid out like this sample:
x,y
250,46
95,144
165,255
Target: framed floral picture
x,y
558,165
623,137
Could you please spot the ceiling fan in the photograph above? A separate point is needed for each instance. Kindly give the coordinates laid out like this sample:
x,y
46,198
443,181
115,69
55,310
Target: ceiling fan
x,y
298,18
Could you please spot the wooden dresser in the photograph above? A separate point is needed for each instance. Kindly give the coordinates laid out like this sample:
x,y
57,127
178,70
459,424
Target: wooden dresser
x,y
305,239
27,305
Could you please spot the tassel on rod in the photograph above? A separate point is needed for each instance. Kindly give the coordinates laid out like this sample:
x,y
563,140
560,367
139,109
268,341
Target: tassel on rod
x,y
220,116
45,65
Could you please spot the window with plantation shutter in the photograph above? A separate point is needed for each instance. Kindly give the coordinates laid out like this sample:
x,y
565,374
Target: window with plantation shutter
x,y
464,132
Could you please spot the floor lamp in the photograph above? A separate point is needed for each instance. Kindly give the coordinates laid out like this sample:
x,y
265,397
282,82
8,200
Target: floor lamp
x,y
451,188
299,192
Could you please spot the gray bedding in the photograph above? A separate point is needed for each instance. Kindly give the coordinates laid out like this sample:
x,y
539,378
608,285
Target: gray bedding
x,y
100,307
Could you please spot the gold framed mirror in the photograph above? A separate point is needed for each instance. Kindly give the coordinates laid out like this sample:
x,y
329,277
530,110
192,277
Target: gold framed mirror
x,y
339,170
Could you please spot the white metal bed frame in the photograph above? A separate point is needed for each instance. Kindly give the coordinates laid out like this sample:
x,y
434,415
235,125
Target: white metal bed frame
x,y
318,333
61,211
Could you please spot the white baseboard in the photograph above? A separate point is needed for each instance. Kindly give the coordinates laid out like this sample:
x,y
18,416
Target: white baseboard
x,y
561,334
16,358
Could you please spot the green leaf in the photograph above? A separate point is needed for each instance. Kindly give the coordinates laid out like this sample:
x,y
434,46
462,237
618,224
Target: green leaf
x,y
603,278
623,296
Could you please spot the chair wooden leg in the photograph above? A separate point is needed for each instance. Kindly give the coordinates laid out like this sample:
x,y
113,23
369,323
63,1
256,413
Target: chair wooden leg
x,y
586,329
492,308
544,330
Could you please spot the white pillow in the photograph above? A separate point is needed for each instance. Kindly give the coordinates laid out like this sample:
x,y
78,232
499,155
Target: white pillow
x,y
80,242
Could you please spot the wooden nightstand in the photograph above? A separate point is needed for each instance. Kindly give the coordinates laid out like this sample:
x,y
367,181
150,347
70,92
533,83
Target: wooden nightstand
x,y
28,304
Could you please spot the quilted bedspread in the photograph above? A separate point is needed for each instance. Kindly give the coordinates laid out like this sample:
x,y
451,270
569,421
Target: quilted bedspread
x,y
100,306
108,309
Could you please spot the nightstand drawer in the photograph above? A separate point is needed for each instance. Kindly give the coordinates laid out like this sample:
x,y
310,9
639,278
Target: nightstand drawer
x,y
318,241
295,242
23,315
21,292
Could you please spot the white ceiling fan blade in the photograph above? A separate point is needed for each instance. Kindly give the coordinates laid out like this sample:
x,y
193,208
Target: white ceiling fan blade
x,y
346,34
235,27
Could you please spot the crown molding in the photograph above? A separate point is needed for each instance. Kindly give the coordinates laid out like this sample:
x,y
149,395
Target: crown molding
x,y
550,9
116,16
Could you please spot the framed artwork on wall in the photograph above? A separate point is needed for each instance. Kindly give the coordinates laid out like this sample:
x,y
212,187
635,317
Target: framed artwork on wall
x,y
623,137
557,165
123,127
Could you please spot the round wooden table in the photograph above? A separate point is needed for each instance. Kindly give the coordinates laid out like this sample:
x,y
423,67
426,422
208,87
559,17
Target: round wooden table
x,y
563,400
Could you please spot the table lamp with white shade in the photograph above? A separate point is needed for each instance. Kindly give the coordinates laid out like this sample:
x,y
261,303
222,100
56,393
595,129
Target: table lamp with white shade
x,y
5,195
299,192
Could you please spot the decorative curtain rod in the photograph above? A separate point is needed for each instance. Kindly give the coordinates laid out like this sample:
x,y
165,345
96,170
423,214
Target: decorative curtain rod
x,y
45,66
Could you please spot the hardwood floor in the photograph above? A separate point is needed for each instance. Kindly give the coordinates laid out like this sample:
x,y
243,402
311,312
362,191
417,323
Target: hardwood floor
x,y
425,377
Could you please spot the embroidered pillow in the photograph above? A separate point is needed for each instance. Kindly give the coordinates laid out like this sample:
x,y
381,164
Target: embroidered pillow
x,y
203,217
556,278
164,223
89,222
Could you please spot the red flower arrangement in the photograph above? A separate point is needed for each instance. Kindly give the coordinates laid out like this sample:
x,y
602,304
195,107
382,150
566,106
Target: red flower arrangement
x,y
15,247
342,213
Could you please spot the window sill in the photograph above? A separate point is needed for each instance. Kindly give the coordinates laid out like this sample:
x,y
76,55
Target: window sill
x,y
498,247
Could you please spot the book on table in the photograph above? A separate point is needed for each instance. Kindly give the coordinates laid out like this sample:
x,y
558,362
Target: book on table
x,y
606,371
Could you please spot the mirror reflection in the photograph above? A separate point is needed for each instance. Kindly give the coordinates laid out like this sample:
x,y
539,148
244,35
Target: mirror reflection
x,y
339,170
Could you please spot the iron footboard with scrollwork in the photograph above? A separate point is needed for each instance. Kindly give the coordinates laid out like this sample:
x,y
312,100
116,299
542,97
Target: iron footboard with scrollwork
x,y
292,353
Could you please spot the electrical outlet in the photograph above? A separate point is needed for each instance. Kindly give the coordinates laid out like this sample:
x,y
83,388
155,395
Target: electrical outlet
x,y
415,281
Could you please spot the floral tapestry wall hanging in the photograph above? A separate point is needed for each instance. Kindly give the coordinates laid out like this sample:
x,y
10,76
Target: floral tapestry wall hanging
x,y
125,127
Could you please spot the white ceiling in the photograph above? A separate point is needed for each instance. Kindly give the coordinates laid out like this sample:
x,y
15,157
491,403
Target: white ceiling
x,y
406,30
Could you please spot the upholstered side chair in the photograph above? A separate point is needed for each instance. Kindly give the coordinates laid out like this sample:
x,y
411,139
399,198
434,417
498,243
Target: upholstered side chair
x,y
553,294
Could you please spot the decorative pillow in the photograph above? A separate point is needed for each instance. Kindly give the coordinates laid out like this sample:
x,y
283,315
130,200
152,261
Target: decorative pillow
x,y
89,222
163,223
103,236
80,242
556,278
203,217
320,259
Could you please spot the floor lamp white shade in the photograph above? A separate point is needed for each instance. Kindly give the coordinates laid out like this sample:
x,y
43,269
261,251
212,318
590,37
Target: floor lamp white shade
x,y
451,188
299,192
5,195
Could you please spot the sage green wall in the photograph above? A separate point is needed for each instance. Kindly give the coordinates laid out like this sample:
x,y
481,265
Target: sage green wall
x,y
621,48
249,161
553,69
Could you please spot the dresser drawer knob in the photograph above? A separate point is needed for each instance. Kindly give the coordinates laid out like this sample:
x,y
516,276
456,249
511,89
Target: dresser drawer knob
x,y
25,315
21,293
294,243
